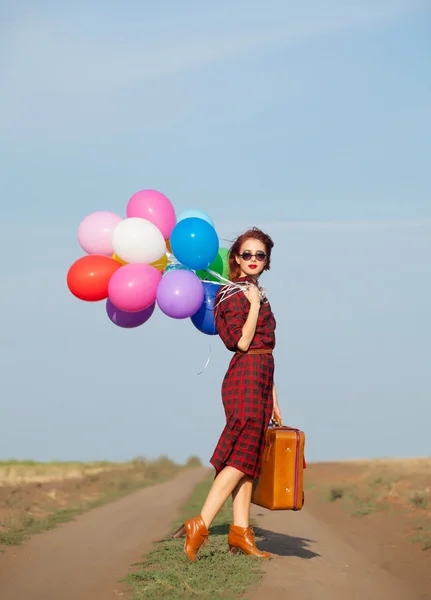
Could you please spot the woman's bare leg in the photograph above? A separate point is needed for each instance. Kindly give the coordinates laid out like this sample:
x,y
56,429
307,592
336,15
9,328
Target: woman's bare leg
x,y
224,484
241,496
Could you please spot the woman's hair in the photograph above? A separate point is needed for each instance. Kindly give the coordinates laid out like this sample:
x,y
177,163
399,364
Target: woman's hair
x,y
251,234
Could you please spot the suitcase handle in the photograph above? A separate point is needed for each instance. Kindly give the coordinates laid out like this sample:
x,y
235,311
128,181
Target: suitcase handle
x,y
277,423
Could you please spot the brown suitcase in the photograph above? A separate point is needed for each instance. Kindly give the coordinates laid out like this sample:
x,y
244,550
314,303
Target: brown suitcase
x,y
280,485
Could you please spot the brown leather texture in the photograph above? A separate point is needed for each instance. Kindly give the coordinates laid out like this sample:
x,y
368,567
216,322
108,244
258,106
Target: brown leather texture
x,y
280,485
256,351
196,535
243,539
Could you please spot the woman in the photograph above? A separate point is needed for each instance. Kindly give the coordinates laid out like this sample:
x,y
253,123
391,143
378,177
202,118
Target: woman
x,y
246,325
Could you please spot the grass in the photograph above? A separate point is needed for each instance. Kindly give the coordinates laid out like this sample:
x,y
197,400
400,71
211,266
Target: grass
x,y
167,573
309,485
336,494
13,462
419,501
21,472
22,530
423,536
122,482
366,507
359,502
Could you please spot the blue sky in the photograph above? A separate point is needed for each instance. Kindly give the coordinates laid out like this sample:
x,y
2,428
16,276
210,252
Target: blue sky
x,y
311,122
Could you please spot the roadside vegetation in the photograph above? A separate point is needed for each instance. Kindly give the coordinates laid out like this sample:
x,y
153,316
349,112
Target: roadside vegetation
x,y
36,497
395,487
167,573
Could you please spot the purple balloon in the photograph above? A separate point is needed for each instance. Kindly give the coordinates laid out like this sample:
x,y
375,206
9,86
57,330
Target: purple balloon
x,y
180,294
128,320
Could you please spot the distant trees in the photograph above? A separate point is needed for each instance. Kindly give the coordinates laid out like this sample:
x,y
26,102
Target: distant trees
x,y
193,461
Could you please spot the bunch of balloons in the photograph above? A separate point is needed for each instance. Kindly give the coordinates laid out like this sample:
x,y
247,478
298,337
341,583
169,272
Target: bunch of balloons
x,y
152,256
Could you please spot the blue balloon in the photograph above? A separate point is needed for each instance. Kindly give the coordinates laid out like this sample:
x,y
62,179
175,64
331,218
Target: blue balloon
x,y
204,318
195,212
194,243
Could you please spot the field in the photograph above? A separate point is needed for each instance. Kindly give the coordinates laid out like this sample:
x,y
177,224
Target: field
x,y
35,497
393,487
366,528
382,507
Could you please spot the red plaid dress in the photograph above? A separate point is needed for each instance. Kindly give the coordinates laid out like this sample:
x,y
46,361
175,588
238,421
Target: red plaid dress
x,y
247,386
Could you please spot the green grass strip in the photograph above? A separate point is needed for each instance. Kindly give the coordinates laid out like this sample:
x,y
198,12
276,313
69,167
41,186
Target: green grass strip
x,y
167,573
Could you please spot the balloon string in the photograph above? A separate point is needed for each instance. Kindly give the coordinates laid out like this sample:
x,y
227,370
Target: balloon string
x,y
172,260
219,277
207,363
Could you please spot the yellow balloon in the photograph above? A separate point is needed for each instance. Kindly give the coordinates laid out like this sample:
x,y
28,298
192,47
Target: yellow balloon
x,y
160,264
118,259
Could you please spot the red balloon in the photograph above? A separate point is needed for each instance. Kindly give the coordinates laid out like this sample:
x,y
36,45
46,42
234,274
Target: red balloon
x,y
89,276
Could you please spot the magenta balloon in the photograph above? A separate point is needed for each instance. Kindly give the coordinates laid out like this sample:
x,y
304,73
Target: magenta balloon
x,y
155,207
180,294
95,232
128,320
134,287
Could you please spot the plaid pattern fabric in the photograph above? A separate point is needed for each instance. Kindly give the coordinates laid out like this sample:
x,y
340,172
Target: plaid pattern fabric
x,y
246,387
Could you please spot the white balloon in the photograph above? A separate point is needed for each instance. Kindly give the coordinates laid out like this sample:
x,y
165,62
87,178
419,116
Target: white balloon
x,y
137,240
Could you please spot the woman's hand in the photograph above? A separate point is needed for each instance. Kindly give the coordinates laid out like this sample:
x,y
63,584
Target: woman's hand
x,y
276,414
252,294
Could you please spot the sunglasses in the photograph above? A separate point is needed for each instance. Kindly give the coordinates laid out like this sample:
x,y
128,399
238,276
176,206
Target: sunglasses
x,y
260,255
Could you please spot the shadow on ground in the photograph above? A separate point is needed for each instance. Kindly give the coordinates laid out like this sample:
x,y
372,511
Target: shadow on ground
x,y
276,543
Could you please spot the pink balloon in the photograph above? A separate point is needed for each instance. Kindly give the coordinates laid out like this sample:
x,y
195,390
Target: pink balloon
x,y
95,232
155,207
134,287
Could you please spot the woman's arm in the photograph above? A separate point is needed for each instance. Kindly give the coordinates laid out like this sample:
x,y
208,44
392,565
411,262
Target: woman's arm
x,y
249,327
276,414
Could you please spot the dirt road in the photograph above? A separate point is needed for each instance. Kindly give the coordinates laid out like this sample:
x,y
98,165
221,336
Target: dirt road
x,y
85,559
311,562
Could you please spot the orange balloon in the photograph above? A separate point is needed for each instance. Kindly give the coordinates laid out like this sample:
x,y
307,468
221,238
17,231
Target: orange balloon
x,y
161,263
168,246
89,276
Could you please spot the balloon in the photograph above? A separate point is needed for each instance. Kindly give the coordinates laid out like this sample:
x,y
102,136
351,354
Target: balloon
x,y
203,319
158,264
168,246
95,232
161,263
118,259
137,240
128,320
194,243
133,287
176,267
180,294
195,212
88,278
155,207
219,265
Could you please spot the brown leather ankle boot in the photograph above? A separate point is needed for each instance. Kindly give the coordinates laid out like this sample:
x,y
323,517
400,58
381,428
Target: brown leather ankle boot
x,y
196,534
242,538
